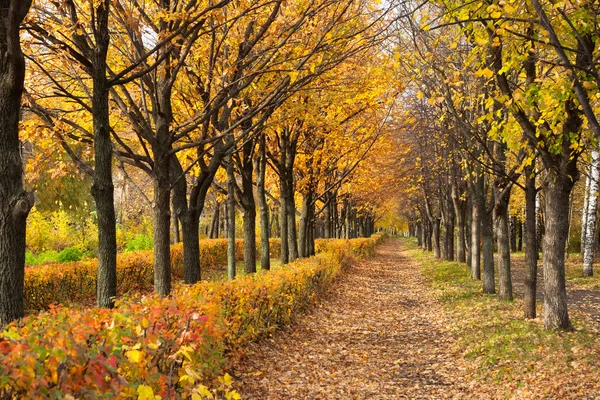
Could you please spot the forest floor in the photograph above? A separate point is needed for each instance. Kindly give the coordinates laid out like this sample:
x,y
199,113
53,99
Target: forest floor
x,y
402,325
379,334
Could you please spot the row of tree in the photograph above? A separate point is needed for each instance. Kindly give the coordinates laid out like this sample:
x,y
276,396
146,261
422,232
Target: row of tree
x,y
228,96
504,117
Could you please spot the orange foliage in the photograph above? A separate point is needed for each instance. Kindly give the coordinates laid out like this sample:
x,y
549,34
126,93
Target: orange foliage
x,y
76,282
162,346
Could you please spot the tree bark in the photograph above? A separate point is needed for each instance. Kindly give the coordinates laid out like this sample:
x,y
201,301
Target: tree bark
x,y
487,239
502,191
231,272
513,234
531,246
459,211
475,228
15,203
558,189
590,225
214,226
161,212
189,219
103,188
261,167
249,206
304,225
283,220
502,231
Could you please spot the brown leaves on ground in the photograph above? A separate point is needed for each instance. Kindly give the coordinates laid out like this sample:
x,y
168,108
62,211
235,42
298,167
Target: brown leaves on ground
x,y
379,335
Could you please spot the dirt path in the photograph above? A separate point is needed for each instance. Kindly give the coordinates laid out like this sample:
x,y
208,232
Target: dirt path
x,y
379,335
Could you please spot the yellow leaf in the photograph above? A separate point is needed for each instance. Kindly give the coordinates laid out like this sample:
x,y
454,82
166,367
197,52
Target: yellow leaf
x,y
227,379
134,356
146,393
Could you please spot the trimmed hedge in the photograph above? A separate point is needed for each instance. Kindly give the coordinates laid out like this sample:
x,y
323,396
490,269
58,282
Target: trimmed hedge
x,y
170,347
75,282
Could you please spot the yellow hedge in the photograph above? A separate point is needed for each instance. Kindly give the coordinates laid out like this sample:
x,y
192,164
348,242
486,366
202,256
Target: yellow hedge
x,y
169,347
75,282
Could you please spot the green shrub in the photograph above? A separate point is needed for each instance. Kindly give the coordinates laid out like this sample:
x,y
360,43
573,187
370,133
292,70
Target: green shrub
x,y
50,256
70,254
138,242
29,258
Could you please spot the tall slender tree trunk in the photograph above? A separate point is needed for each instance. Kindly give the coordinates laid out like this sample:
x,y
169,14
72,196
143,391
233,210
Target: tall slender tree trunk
x,y
15,203
531,245
590,225
291,217
176,238
283,222
475,228
502,232
513,233
436,237
468,224
231,272
502,190
459,211
327,218
584,213
304,225
487,239
103,188
519,235
214,225
261,167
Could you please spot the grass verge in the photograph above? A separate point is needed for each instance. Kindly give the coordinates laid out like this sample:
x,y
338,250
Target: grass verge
x,y
517,355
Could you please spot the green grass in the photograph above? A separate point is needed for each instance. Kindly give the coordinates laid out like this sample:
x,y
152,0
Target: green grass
x,y
493,334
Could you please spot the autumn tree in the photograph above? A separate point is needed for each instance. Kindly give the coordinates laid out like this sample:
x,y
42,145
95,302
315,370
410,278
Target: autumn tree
x,y
15,202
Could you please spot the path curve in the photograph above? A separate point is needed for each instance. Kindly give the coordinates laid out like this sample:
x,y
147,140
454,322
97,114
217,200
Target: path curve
x,y
380,334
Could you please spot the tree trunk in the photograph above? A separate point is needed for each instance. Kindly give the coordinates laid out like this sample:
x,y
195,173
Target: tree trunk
x,y
459,211
513,234
304,229
249,240
502,231
283,220
558,190
261,167
189,219
175,224
584,213
230,220
590,226
214,226
161,211
502,190
327,218
436,237
103,188
15,203
531,246
475,228
487,239
519,235
468,225
449,233
291,217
